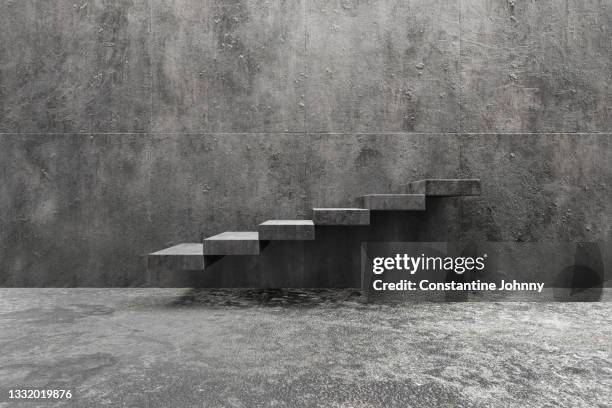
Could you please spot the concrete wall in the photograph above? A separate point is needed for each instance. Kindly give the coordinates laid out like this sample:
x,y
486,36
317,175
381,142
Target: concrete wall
x,y
127,126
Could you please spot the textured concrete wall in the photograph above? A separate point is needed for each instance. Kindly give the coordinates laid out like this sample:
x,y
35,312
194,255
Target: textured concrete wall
x,y
127,126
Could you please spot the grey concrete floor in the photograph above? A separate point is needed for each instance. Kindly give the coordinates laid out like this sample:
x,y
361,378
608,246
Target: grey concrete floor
x,y
186,348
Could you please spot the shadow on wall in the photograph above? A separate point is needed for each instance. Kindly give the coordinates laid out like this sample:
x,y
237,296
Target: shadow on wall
x,y
567,271
583,281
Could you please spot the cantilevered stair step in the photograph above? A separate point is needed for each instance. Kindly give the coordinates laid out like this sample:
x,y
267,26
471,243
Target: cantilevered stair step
x,y
341,216
393,202
232,243
445,187
188,256
286,230
190,249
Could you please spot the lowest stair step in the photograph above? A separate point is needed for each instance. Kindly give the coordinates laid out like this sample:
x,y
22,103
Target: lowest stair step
x,y
392,202
188,249
289,230
232,243
341,216
188,256
445,187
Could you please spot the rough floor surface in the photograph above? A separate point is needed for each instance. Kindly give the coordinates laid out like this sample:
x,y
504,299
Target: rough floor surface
x,y
245,348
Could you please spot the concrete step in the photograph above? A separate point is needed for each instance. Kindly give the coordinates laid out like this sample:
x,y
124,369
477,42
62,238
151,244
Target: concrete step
x,y
163,265
391,202
445,187
190,249
341,216
189,256
232,243
290,230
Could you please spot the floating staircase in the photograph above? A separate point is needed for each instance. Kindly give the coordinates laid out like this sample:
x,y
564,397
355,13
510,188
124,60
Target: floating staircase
x,y
413,198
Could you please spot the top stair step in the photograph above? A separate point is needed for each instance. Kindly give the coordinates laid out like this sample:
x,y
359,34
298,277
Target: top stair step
x,y
393,202
445,187
232,243
287,230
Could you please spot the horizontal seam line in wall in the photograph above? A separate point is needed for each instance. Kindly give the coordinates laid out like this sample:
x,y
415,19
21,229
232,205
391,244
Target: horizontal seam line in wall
x,y
304,133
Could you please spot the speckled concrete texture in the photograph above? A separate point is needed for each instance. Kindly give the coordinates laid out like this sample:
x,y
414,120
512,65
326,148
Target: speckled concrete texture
x,y
294,66
228,66
539,187
177,347
536,66
384,65
134,125
74,66
130,195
